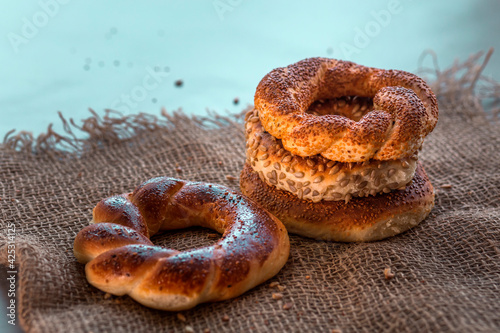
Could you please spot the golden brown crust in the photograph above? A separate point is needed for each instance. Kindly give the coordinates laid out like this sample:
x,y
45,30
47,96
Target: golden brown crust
x,y
405,110
316,178
121,260
95,239
362,219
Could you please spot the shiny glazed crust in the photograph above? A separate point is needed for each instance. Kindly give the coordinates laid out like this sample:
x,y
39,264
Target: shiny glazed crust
x,y
120,259
405,110
360,220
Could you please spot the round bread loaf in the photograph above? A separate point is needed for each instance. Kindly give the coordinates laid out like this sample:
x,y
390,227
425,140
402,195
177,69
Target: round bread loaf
x,y
120,259
361,219
404,111
316,178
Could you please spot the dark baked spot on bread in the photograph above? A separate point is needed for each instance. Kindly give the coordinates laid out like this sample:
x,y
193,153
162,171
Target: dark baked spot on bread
x,y
118,209
187,273
127,261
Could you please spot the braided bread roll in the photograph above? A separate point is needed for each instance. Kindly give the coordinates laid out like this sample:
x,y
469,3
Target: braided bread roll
x,y
120,259
404,111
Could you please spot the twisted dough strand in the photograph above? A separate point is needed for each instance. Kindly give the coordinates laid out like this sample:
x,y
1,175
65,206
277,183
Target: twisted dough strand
x,y
120,258
405,110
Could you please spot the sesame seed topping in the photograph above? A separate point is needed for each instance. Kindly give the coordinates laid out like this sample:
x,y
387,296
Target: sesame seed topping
x,y
318,179
344,182
334,170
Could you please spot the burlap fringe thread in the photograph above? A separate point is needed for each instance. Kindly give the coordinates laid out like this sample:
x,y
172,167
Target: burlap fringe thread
x,y
463,82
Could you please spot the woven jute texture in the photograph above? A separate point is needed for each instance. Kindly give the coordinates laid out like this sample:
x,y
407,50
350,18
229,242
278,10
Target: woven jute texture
x,y
447,269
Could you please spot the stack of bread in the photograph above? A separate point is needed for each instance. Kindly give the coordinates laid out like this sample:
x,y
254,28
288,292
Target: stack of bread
x,y
332,149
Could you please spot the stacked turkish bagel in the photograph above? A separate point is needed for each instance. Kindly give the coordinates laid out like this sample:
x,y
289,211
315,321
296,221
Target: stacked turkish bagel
x,y
332,149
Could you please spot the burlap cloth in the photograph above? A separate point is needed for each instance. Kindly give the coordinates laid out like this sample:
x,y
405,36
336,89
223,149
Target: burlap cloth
x,y
447,269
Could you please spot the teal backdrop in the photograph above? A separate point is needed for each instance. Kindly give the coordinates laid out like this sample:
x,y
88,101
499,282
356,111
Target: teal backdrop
x,y
69,55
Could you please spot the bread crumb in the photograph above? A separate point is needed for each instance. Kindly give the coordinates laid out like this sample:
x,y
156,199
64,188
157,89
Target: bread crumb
x,y
281,288
287,306
225,318
308,277
181,317
189,329
446,186
336,330
231,178
107,296
273,284
388,274
206,330
277,296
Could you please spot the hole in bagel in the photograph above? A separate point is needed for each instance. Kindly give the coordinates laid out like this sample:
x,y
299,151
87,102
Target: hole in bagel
x,y
352,107
186,239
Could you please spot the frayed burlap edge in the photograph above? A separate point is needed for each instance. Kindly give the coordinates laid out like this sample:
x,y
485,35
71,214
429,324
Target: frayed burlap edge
x,y
463,82
98,131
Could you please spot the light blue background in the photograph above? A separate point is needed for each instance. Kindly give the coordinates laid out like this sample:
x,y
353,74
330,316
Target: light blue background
x,y
219,55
